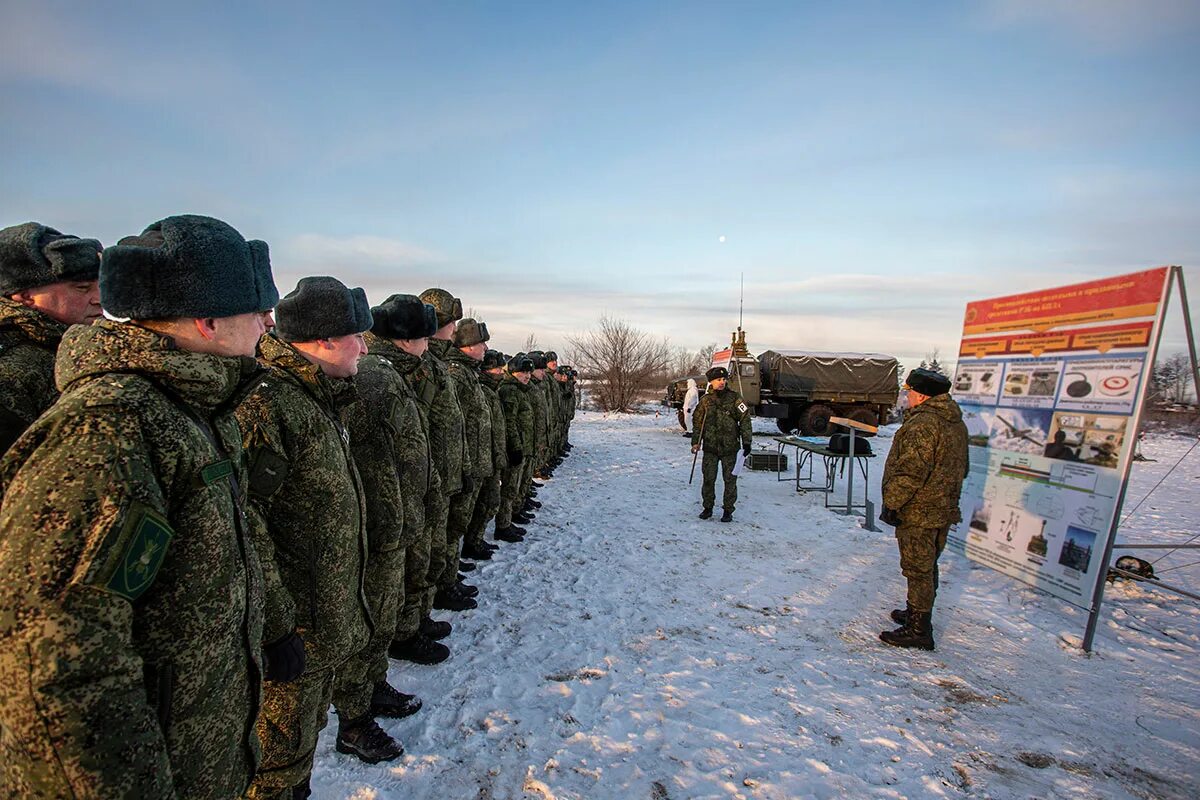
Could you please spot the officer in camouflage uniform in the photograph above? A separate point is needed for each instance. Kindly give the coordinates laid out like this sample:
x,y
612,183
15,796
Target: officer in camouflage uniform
x,y
922,481
448,442
554,409
515,399
464,360
131,594
488,503
47,282
566,385
721,424
304,486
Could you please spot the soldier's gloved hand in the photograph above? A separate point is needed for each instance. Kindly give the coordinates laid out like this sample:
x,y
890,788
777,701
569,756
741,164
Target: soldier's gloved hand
x,y
695,448
515,457
889,516
468,484
746,450
284,658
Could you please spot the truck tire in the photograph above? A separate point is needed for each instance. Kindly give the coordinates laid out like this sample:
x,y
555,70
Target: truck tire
x,y
787,425
865,416
815,420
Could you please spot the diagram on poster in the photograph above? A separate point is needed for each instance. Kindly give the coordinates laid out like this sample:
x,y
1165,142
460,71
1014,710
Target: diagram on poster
x,y
1050,384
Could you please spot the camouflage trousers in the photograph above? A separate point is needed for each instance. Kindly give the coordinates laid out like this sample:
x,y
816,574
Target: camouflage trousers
x,y
487,504
462,506
384,588
415,587
291,717
437,512
708,490
920,549
511,482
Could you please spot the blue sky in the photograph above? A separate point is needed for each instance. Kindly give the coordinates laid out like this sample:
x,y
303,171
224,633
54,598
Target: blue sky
x,y
873,166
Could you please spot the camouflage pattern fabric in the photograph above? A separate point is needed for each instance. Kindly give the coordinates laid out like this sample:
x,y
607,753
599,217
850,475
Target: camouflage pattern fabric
x,y
477,417
553,415
391,451
725,422
447,426
541,424
293,715
710,464
927,464
462,508
518,436
306,489
28,341
487,505
920,549
131,594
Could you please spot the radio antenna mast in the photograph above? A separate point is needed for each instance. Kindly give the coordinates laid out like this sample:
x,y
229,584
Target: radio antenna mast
x,y
741,299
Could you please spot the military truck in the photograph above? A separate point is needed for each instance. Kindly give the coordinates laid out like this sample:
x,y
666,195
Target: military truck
x,y
801,390
676,393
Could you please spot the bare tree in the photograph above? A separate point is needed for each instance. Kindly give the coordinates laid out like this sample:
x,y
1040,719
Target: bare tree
x,y
686,362
932,362
619,361
1171,379
531,343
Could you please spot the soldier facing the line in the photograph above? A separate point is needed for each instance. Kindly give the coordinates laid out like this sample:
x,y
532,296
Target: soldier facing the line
x,y
131,615
47,283
721,425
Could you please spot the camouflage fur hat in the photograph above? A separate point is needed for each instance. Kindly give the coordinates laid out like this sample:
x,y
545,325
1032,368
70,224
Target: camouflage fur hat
x,y
538,358
520,363
470,332
404,316
551,356
493,359
448,307
716,373
187,266
321,308
33,255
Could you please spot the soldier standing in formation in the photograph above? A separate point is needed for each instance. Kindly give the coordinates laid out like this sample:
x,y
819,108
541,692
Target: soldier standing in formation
x,y
131,621
519,437
922,481
47,283
721,425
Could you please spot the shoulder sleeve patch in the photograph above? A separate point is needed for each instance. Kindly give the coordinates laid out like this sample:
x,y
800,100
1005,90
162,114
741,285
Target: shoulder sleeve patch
x,y
138,553
741,407
268,471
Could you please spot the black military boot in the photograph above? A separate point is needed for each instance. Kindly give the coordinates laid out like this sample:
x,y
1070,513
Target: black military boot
x,y
523,518
900,615
450,600
726,515
419,649
466,566
476,553
531,503
916,632
435,629
364,739
510,534
389,702
706,514
466,589
302,791
536,486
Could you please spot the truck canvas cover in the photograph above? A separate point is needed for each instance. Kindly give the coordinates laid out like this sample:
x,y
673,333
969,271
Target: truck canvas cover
x,y
798,372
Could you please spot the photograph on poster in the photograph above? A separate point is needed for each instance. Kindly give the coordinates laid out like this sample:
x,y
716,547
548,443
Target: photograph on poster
x,y
979,423
1020,430
978,381
1101,384
1087,438
1031,382
1076,552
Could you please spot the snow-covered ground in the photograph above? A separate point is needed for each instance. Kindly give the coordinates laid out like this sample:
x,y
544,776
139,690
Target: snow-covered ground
x,y
628,649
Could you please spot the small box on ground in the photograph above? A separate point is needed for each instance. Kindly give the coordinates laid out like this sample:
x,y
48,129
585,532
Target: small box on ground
x,y
772,462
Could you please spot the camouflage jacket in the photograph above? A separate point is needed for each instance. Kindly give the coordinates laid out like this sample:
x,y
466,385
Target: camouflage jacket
x,y
491,390
568,401
28,342
477,417
131,596
541,421
725,422
518,415
304,485
927,464
390,438
447,427
553,404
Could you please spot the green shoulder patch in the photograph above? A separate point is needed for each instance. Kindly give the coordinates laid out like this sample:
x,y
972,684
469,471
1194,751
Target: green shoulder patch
x,y
218,470
141,547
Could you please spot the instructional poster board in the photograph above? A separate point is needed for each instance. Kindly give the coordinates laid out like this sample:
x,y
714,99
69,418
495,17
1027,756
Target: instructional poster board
x,y
1051,385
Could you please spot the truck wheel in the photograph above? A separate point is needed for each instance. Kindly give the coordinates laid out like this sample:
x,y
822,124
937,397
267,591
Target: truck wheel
x,y
815,421
787,425
866,416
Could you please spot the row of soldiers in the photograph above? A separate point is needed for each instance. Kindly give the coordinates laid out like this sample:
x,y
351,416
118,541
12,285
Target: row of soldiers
x,y
238,509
